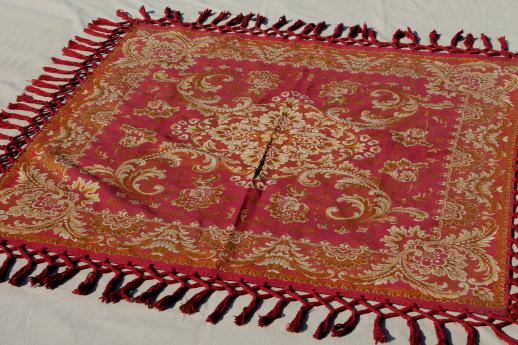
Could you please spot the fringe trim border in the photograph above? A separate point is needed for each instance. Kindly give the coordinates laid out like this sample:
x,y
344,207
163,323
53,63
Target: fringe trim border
x,y
46,94
58,268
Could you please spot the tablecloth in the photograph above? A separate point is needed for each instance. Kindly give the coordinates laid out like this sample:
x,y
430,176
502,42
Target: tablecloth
x,y
32,31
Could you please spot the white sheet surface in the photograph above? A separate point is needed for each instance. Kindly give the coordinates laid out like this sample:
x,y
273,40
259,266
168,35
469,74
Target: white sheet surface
x,y
32,31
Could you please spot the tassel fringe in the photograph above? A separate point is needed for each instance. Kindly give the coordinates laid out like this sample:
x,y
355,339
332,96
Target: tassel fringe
x,y
274,314
88,285
221,309
296,324
170,300
50,91
149,296
125,278
378,333
223,306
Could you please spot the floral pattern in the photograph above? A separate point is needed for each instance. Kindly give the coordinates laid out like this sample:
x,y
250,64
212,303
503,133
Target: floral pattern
x,y
375,171
411,137
41,204
202,195
134,137
260,81
157,109
288,208
403,170
337,91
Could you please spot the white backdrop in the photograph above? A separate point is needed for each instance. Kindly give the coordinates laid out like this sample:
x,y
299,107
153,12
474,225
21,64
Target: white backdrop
x,y
32,31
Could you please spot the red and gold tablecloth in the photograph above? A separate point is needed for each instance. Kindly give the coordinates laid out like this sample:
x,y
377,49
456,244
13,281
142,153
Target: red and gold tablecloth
x,y
336,171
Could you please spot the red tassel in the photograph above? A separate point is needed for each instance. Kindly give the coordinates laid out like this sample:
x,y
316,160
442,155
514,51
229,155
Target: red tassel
x,y
74,54
353,31
221,309
55,280
124,16
247,312
296,323
411,35
280,23
3,137
58,61
130,287
22,273
503,44
169,300
308,29
203,15
5,115
143,13
148,296
21,106
175,16
502,335
6,265
433,36
441,337
192,306
273,314
87,41
469,41
57,71
236,20
365,32
106,22
46,77
98,28
87,286
297,25
342,329
40,278
29,99
246,20
111,286
398,35
487,43
77,46
319,28
259,21
8,125
456,38
471,334
415,336
378,332
373,39
38,92
125,291
95,33
221,16
39,83
168,13
337,32
324,327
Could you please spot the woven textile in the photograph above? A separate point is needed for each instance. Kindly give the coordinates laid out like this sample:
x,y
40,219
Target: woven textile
x,y
328,171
